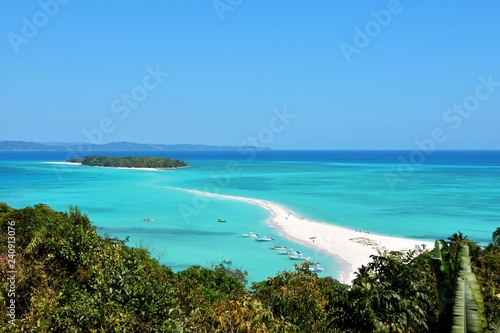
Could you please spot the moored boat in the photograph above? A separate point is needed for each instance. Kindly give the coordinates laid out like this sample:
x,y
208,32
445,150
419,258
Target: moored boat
x,y
278,247
250,234
264,239
298,256
288,252
316,269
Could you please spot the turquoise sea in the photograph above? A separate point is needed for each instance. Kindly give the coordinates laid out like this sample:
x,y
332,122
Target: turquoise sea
x,y
396,193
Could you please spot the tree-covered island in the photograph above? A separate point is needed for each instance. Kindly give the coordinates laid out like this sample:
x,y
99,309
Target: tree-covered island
x,y
148,162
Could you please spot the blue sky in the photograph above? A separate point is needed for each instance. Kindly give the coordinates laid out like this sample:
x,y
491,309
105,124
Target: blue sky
x,y
285,74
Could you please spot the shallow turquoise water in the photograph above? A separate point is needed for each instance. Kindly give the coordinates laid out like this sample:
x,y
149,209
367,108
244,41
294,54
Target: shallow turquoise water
x,y
448,194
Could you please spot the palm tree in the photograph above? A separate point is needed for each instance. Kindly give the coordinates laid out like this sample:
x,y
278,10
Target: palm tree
x,y
461,307
496,237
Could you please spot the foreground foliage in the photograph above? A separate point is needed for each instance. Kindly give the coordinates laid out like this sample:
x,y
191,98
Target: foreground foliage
x,y
70,279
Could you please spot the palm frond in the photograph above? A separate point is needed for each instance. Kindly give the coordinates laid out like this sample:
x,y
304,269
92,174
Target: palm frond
x,y
468,307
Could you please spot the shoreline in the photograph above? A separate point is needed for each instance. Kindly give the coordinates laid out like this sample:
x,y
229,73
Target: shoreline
x,y
350,248
119,168
62,163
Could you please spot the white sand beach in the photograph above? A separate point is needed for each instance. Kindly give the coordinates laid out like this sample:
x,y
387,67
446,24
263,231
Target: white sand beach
x,y
352,247
143,169
64,163
124,168
120,168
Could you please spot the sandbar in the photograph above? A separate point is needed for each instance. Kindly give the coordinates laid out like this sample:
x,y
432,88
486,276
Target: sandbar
x,y
350,248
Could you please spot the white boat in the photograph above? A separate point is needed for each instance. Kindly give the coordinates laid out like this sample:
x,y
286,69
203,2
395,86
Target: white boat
x,y
264,239
288,252
316,269
227,261
250,234
299,256
278,247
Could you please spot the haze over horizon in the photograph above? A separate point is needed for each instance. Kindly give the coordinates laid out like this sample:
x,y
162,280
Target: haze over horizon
x,y
365,75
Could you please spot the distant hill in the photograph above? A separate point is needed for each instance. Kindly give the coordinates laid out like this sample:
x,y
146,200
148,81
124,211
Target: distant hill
x,y
21,145
112,146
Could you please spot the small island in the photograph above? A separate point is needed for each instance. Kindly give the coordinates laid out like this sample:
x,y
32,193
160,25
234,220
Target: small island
x,y
143,162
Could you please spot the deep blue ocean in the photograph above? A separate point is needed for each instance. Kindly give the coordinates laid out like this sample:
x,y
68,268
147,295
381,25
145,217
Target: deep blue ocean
x,y
400,193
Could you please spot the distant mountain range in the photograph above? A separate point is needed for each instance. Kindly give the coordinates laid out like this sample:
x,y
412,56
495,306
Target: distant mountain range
x,y
112,146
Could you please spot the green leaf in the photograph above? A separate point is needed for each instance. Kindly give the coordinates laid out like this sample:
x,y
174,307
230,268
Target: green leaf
x,y
468,307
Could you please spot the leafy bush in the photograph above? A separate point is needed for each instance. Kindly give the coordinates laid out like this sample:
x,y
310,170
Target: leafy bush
x,y
310,303
70,279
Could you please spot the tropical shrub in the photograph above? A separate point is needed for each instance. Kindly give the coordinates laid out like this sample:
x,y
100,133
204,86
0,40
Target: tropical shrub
x,y
310,303
392,294
71,279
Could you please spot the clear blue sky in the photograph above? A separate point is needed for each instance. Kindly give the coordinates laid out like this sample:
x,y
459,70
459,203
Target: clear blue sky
x,y
352,74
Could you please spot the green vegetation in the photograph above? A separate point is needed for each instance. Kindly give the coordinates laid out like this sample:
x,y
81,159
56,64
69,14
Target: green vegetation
x,y
131,162
70,279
